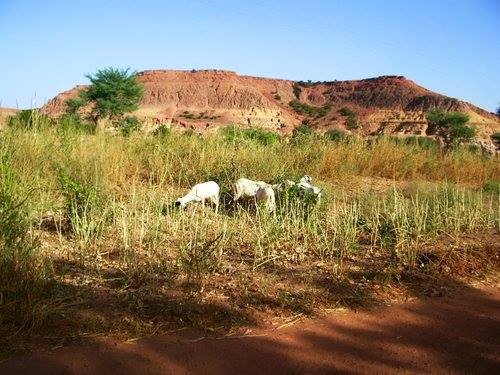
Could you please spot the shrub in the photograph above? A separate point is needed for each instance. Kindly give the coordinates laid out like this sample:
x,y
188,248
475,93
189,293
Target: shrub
x,y
495,137
303,129
306,109
264,137
162,131
492,187
29,119
296,90
425,143
128,125
277,96
344,111
336,135
72,122
352,118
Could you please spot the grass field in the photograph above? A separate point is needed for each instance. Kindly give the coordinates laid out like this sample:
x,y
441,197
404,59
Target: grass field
x,y
91,244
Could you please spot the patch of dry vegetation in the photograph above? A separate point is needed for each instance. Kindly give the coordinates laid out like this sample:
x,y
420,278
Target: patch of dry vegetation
x,y
91,244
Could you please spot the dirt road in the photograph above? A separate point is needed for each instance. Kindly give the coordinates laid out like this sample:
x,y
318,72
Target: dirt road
x,y
458,334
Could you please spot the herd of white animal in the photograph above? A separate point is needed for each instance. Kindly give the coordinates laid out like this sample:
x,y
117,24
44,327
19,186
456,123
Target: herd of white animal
x,y
244,189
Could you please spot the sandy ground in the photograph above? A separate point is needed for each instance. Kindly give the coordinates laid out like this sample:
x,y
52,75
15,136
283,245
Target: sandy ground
x,y
459,334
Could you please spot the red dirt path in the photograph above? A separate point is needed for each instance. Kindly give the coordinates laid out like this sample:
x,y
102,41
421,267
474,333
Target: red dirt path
x,y
458,334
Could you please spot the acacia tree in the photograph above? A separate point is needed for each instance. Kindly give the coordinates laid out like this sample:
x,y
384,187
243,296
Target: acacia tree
x,y
451,126
112,93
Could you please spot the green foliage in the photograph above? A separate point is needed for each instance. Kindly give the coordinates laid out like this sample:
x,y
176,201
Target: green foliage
x,y
113,92
304,129
352,118
425,143
128,125
452,125
495,137
492,186
29,119
73,123
296,90
264,137
336,135
344,111
306,109
310,83
74,104
83,205
162,131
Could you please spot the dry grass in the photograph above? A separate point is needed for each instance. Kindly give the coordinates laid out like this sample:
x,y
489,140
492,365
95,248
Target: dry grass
x,y
108,249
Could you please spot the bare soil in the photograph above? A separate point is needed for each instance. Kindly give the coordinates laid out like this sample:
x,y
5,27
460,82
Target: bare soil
x,y
455,334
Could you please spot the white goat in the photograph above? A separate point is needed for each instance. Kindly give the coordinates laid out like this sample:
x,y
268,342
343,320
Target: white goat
x,y
200,193
305,179
245,188
309,189
265,195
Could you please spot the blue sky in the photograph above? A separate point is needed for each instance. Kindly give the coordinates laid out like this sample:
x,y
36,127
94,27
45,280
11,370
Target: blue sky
x,y
452,47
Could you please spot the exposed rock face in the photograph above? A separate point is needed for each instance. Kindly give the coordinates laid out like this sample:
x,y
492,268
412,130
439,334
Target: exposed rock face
x,y
209,98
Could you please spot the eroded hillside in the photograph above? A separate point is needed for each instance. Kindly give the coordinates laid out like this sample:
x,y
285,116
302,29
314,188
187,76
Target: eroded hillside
x,y
206,99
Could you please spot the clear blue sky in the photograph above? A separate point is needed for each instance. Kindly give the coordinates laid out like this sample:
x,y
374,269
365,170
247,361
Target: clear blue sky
x,y
452,47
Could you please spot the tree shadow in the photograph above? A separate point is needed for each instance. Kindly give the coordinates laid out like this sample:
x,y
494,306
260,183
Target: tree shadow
x,y
433,335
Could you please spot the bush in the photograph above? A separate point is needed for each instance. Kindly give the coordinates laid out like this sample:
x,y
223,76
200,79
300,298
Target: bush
x,y
344,111
234,134
306,109
495,137
277,96
492,187
128,125
452,126
352,118
162,131
303,129
29,119
336,135
73,123
425,143
296,90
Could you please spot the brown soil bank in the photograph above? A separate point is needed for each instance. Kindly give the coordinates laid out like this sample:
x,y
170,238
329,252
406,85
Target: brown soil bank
x,y
458,334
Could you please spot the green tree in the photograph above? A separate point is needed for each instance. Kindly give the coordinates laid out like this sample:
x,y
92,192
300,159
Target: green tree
x,y
112,93
452,126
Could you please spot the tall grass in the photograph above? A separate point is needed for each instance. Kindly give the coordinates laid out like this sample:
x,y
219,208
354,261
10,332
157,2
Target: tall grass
x,y
115,194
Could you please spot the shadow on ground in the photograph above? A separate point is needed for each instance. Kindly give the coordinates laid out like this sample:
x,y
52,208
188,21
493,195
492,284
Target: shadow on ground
x,y
433,335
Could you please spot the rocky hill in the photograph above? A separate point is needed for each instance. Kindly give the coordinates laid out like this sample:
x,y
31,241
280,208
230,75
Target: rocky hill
x,y
205,99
